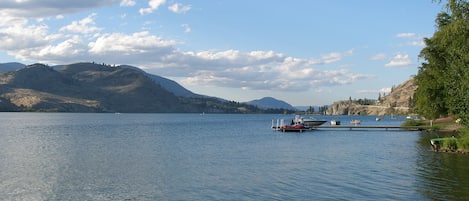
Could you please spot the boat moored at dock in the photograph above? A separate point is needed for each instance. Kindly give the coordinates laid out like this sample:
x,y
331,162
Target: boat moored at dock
x,y
298,124
311,122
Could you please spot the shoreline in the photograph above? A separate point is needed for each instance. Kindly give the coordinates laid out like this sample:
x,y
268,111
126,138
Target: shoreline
x,y
451,128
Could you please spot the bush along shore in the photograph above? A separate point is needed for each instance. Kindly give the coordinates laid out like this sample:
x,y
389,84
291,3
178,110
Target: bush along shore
x,y
455,137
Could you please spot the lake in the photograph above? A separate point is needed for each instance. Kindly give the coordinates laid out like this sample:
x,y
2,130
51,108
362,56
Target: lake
x,y
66,156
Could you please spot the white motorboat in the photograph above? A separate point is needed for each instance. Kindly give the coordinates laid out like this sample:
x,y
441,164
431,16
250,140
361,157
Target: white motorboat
x,y
310,122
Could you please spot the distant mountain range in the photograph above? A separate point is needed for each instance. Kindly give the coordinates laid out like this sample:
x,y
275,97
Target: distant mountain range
x,y
11,66
269,102
90,87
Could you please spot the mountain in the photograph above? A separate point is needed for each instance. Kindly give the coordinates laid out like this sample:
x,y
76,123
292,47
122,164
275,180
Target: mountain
x,y
271,103
168,84
85,87
400,96
90,87
5,67
396,102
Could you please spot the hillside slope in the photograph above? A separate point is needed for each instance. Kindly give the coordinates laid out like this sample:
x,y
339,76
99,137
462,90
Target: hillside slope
x,y
269,102
85,87
167,84
90,87
396,102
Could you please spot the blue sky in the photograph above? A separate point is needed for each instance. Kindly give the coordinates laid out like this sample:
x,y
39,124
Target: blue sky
x,y
304,52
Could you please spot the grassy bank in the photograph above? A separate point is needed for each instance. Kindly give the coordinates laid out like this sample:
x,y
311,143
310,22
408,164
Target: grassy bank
x,y
457,135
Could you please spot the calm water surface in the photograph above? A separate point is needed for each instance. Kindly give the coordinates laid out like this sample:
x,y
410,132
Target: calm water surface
x,y
53,156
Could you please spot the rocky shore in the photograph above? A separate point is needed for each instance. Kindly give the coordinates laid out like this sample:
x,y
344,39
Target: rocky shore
x,y
395,103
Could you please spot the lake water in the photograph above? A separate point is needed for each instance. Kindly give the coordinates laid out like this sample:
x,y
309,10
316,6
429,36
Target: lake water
x,y
63,156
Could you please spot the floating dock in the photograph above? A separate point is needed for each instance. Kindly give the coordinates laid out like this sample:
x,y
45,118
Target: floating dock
x,y
280,125
360,127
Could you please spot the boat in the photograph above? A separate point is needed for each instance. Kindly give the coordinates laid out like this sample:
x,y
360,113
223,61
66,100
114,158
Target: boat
x,y
438,142
294,128
335,122
298,124
355,122
310,122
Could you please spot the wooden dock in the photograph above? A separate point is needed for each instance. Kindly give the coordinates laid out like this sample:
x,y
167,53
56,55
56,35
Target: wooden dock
x,y
360,127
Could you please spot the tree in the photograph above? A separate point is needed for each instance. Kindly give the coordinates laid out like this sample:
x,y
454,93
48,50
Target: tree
x,y
443,77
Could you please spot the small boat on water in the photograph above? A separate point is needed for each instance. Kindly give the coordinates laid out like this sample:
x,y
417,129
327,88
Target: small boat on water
x,y
355,122
294,128
335,122
438,142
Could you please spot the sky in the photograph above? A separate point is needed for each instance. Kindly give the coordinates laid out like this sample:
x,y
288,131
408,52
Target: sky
x,y
304,52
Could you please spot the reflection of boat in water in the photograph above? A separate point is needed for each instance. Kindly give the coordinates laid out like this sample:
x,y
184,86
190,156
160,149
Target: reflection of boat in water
x,y
355,121
335,122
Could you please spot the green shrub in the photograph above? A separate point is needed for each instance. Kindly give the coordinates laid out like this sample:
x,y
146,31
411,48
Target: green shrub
x,y
450,144
412,122
463,141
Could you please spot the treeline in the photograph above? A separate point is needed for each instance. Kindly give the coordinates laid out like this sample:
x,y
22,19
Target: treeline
x,y
320,110
364,101
443,77
215,105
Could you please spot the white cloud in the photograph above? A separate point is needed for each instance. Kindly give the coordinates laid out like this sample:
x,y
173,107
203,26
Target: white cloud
x,y
45,8
379,56
399,60
254,70
21,36
416,43
334,56
386,90
186,27
331,57
372,91
84,26
275,72
70,48
137,43
179,8
125,3
154,4
406,35
413,39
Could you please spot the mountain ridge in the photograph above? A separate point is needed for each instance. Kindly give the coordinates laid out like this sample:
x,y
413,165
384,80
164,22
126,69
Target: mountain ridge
x,y
90,87
271,103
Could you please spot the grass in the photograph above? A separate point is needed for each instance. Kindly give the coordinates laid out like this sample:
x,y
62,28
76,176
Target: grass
x,y
412,122
459,143
463,140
